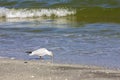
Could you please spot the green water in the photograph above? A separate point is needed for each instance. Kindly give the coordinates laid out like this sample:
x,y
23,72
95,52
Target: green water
x,y
85,10
59,3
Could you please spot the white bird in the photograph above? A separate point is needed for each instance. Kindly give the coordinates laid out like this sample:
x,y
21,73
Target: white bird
x,y
41,52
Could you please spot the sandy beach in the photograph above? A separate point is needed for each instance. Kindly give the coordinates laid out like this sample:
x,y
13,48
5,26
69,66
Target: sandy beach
x,y
41,70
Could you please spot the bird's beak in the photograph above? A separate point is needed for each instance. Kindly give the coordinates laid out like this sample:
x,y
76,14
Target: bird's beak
x,y
28,52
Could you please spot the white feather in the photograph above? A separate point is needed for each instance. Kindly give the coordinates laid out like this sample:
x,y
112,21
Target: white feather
x,y
41,52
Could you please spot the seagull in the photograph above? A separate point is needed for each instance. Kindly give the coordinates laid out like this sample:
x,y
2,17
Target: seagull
x,y
40,52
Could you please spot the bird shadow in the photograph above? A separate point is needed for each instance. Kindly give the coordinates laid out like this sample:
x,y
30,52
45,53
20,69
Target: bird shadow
x,y
42,59
46,58
36,59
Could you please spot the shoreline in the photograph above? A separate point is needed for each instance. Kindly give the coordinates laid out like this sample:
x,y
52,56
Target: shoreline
x,y
37,70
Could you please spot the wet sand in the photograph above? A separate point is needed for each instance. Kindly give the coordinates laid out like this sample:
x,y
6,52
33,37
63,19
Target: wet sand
x,y
37,70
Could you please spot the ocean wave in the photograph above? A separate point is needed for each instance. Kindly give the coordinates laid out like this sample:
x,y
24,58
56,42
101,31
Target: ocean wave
x,y
59,3
35,13
85,14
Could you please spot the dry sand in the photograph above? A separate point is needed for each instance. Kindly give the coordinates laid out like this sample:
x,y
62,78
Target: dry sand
x,y
37,70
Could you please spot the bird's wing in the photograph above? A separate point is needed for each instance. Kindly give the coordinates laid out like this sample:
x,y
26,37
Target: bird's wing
x,y
40,52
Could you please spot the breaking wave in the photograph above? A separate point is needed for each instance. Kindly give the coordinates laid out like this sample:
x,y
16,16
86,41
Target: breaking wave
x,y
35,13
73,10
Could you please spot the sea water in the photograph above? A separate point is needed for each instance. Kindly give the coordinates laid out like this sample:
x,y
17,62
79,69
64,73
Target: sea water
x,y
76,31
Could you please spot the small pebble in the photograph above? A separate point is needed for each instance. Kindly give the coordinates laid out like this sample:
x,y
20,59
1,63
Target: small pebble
x,y
66,79
25,62
48,62
32,76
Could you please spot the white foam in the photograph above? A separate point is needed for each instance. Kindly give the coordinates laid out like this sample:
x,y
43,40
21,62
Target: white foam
x,y
34,13
3,11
